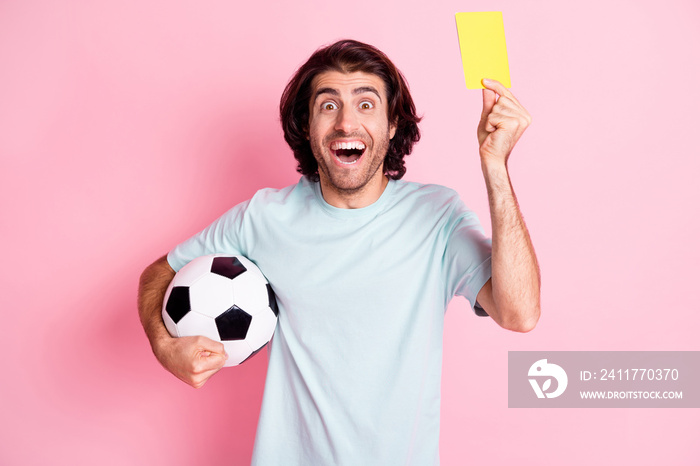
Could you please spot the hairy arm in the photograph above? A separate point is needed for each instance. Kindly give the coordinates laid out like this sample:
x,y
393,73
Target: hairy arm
x,y
191,359
512,295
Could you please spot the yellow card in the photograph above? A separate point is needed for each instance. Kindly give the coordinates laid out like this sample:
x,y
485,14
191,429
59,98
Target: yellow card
x,y
482,41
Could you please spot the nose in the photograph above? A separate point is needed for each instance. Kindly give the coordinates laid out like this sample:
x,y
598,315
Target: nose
x,y
346,121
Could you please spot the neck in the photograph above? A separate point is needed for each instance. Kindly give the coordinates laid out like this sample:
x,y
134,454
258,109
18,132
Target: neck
x,y
353,199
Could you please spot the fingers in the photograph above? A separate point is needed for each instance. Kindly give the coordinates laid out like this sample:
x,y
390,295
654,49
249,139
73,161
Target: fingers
x,y
490,98
207,344
506,107
504,115
503,92
204,366
209,357
192,359
503,120
498,88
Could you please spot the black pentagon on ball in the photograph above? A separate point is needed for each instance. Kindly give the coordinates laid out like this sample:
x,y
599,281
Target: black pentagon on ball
x,y
178,303
229,267
233,324
272,300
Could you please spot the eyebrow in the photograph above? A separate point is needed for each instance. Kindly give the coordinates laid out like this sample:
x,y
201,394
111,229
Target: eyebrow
x,y
356,91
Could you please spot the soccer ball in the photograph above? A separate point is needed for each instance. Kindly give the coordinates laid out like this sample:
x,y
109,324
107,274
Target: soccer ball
x,y
225,298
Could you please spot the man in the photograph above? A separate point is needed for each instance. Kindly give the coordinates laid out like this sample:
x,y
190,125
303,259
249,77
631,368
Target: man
x,y
363,266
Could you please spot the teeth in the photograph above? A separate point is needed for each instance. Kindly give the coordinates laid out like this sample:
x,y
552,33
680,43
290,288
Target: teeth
x,y
348,145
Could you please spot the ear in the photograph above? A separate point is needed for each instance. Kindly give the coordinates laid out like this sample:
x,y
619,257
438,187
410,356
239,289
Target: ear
x,y
392,129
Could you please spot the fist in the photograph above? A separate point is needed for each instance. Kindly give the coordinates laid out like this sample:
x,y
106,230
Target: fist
x,y
503,121
191,359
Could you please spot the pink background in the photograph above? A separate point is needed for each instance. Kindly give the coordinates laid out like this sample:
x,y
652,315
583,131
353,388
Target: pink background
x,y
128,126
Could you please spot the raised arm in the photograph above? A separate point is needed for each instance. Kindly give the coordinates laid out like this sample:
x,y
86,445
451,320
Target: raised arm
x,y
191,359
512,295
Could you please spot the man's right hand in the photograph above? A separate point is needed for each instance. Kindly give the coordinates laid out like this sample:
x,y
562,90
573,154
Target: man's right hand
x,y
191,359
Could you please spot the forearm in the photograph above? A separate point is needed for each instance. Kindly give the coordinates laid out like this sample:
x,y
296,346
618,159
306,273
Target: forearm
x,y
515,279
152,286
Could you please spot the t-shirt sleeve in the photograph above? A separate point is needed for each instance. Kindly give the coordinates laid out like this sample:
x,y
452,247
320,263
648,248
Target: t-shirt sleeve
x,y
468,257
221,236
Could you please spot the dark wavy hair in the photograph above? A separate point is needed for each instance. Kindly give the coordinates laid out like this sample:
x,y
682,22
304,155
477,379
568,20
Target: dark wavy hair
x,y
348,56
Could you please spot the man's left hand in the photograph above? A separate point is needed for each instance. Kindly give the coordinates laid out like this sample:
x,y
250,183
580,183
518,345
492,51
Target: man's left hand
x,y
503,121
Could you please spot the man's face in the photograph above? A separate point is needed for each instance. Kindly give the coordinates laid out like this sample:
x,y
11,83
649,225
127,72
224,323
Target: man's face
x,y
349,131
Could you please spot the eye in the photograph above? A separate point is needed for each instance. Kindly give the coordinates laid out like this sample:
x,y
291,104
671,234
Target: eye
x,y
366,105
329,106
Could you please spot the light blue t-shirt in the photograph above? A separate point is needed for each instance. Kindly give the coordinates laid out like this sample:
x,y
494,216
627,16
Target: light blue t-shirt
x,y
355,363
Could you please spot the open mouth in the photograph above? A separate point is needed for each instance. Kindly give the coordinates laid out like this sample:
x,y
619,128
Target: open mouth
x,y
348,153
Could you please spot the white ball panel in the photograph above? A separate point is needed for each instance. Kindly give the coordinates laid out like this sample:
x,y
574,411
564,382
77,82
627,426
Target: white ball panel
x,y
192,271
211,295
194,324
261,328
250,293
170,325
237,351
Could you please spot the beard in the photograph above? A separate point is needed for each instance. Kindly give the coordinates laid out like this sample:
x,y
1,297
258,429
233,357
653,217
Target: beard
x,y
350,182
